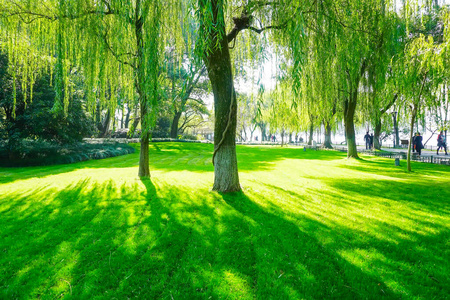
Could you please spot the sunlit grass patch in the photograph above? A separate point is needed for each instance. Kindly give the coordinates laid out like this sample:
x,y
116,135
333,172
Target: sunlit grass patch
x,y
307,225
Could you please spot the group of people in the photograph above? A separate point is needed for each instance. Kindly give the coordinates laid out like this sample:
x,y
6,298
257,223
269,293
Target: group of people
x,y
417,142
368,138
418,146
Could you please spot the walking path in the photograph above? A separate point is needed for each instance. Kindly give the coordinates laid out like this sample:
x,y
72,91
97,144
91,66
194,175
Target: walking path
x,y
405,150
427,156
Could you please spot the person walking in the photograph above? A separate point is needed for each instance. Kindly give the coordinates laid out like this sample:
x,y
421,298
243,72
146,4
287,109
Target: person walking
x,y
367,140
371,141
441,143
418,143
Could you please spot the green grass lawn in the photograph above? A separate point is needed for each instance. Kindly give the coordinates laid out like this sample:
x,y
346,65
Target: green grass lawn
x,y
308,225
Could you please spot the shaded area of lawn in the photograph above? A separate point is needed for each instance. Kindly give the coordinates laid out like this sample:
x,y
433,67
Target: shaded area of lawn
x,y
359,230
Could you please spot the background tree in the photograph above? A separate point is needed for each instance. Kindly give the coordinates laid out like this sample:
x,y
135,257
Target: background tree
x,y
35,119
421,69
116,43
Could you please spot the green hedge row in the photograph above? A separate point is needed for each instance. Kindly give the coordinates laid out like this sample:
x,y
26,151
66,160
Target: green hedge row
x,y
42,154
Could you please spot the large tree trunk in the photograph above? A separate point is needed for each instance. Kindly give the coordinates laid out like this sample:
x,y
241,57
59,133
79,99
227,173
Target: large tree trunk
x,y
174,126
327,141
218,64
349,114
376,134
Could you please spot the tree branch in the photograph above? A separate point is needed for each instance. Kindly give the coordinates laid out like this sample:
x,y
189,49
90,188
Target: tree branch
x,y
117,56
21,12
199,101
389,104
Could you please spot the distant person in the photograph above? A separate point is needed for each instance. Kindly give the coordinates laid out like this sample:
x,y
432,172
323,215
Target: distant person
x,y
367,140
371,141
441,143
418,143
414,143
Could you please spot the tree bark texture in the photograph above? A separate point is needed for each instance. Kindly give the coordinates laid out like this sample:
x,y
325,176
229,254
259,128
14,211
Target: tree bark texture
x,y
349,114
104,126
174,126
376,134
218,64
327,140
144,167
311,133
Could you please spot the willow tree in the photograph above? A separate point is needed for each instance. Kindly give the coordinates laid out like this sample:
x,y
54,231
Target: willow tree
x,y
319,93
421,69
219,30
367,34
282,111
114,43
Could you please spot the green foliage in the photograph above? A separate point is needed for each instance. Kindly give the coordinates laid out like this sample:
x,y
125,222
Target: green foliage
x,y
306,227
38,153
37,119
162,127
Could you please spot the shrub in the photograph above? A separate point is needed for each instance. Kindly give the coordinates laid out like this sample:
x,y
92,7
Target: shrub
x,y
34,153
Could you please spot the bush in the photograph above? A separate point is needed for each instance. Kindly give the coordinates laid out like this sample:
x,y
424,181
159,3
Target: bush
x,y
37,153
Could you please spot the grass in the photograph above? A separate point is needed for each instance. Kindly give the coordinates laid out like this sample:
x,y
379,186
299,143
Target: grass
x,y
308,225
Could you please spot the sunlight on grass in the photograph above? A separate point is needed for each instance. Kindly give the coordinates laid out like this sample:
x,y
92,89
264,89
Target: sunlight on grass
x,y
307,225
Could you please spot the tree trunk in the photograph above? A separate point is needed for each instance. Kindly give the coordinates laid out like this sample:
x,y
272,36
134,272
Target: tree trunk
x,y
327,141
262,126
376,134
127,118
349,114
397,137
122,119
413,119
144,166
218,64
311,132
105,125
174,126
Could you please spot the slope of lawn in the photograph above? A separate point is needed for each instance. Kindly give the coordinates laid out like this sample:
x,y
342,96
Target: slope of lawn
x,y
308,225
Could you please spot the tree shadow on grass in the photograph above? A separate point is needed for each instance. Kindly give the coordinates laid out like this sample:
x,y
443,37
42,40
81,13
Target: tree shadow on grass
x,y
292,264
151,240
102,240
399,230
